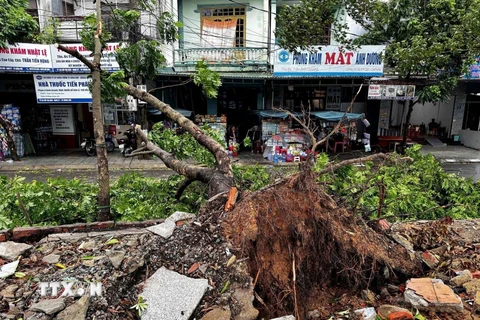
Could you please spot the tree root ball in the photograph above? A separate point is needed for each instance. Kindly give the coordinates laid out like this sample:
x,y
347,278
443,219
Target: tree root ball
x,y
298,239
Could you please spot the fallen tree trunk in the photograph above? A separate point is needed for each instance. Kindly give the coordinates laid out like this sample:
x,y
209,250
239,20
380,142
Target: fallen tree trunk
x,y
217,181
223,161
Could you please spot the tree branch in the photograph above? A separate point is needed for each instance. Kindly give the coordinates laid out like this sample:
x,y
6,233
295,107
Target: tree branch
x,y
190,171
337,126
25,212
77,55
344,163
308,130
216,148
185,183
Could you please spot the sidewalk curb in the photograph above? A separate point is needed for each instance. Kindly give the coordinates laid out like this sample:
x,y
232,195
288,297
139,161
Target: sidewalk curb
x,y
459,161
17,167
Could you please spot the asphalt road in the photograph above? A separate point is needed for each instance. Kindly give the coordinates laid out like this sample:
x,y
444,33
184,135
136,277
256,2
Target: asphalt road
x,y
464,170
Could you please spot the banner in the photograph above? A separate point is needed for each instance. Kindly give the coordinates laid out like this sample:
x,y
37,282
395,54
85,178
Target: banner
x,y
29,57
389,89
334,98
330,61
63,62
62,120
473,70
26,57
61,88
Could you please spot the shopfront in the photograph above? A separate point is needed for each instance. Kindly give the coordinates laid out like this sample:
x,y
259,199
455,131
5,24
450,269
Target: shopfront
x,y
44,92
470,133
324,80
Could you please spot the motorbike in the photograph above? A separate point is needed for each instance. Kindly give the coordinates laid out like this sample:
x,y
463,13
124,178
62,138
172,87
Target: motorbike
x,y
90,146
129,144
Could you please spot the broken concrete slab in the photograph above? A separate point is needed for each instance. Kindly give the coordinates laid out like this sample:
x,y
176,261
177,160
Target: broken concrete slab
x,y
476,302
366,313
472,286
244,298
11,250
8,269
462,278
164,230
432,295
218,314
180,216
49,306
51,258
172,296
115,257
76,311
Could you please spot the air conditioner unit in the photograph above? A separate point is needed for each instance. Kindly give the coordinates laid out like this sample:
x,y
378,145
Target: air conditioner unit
x,y
143,88
132,103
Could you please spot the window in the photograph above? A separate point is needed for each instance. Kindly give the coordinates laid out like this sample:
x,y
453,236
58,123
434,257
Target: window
x,y
223,27
68,9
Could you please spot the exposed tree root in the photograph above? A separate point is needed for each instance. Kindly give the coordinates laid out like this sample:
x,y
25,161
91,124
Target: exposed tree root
x,y
297,223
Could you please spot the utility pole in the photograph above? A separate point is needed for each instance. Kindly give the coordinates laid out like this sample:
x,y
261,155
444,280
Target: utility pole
x,y
102,160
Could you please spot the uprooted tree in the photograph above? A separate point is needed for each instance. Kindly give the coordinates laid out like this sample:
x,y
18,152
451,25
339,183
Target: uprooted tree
x,y
298,238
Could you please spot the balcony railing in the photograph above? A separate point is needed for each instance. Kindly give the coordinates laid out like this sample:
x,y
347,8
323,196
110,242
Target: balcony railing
x,y
70,27
222,56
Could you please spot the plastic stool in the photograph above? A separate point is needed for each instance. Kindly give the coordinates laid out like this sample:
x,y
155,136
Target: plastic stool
x,y
296,159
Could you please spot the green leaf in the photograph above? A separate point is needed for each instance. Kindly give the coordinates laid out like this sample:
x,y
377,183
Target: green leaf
x,y
225,287
111,241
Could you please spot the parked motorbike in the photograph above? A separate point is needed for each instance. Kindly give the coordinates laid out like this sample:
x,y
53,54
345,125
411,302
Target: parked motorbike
x,y
129,144
90,146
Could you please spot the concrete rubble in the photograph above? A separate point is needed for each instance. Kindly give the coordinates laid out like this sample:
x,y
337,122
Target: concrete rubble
x,y
172,296
166,228
76,311
11,250
432,295
49,306
218,314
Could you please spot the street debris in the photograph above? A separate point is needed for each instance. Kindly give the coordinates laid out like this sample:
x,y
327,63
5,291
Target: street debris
x,y
172,296
292,255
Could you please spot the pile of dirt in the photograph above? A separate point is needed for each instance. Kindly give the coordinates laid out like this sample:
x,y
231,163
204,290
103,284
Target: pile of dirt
x,y
298,240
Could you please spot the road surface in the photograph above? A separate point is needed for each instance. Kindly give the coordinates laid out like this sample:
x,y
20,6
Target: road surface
x,y
465,170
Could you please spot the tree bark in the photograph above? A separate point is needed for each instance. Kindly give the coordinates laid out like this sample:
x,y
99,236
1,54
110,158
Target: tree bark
x,y
411,103
102,160
11,144
217,181
221,157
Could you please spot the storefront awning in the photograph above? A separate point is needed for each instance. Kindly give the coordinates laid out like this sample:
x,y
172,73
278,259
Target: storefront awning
x,y
335,115
277,114
155,112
